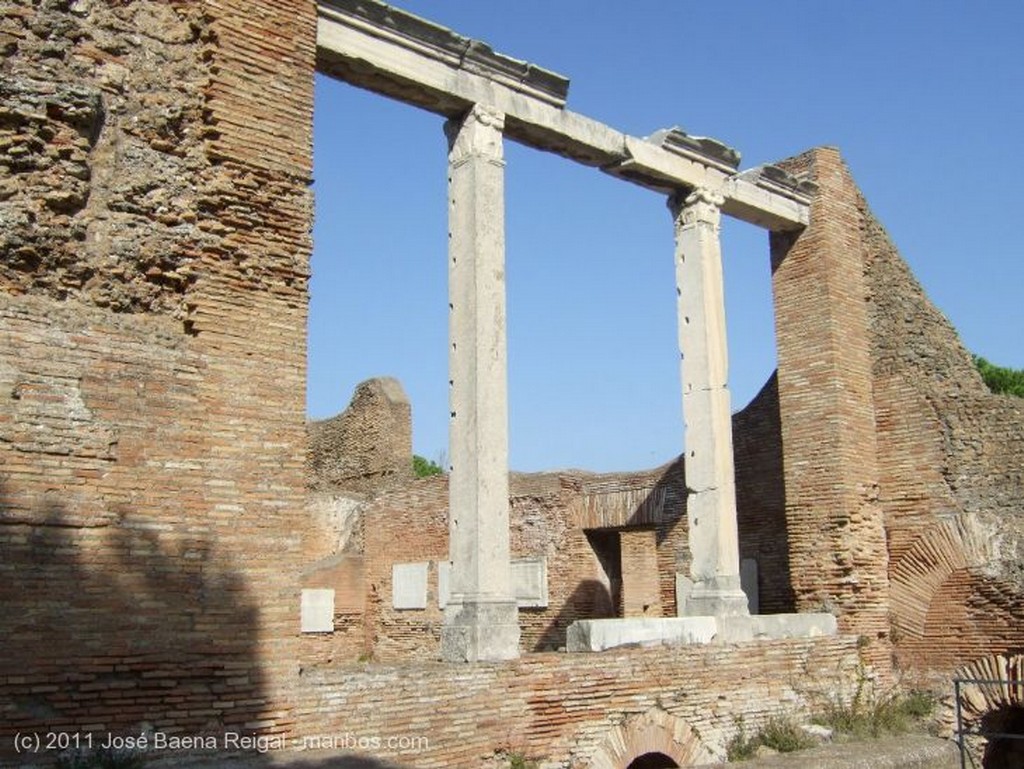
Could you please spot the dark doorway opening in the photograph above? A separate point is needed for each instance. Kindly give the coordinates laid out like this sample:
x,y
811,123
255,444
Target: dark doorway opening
x,y
1005,748
652,761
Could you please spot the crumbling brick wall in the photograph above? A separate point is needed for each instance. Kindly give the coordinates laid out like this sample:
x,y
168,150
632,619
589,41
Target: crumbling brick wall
x,y
553,515
154,232
366,448
951,462
882,420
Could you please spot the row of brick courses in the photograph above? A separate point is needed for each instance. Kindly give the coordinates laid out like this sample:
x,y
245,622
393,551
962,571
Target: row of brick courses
x,y
562,707
835,526
152,486
553,516
951,461
761,497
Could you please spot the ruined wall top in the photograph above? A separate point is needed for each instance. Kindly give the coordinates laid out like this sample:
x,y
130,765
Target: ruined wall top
x,y
366,448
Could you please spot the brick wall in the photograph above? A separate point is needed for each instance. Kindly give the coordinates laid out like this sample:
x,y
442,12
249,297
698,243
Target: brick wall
x,y
366,448
155,231
951,464
835,526
883,419
571,708
566,518
761,497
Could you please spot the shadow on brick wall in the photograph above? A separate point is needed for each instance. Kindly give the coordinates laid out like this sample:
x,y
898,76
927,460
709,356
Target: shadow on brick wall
x,y
122,626
590,599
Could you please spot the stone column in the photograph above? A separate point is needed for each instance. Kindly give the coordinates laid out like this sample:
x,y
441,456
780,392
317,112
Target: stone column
x,y
713,587
481,619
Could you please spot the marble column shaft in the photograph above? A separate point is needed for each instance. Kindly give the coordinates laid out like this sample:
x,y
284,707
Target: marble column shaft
x,y
710,478
481,619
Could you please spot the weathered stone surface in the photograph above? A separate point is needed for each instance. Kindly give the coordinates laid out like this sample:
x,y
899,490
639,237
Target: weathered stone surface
x,y
481,577
602,634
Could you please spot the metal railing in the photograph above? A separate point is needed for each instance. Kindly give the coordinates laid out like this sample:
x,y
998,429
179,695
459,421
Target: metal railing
x,y
963,732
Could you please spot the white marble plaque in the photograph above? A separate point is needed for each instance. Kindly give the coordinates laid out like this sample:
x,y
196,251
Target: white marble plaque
x,y
409,585
317,611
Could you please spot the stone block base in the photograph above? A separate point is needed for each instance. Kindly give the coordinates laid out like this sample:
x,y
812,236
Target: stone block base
x,y
594,635
716,597
480,632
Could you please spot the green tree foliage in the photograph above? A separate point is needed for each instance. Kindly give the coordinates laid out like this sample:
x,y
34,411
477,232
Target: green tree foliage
x,y
423,467
1004,381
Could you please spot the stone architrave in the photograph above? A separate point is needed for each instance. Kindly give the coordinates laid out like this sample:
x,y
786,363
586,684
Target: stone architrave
x,y
481,618
714,585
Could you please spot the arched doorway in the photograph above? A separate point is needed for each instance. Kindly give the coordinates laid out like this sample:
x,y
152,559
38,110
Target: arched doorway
x,y
651,740
1005,747
652,761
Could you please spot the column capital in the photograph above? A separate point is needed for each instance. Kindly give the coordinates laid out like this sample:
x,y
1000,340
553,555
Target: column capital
x,y
701,205
478,133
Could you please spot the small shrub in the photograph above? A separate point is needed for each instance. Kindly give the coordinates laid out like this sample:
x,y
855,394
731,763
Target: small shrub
x,y
1001,380
741,745
424,468
867,715
519,761
783,734
780,733
919,705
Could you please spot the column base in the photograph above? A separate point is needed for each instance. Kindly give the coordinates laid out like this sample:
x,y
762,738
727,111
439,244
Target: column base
x,y
713,597
480,631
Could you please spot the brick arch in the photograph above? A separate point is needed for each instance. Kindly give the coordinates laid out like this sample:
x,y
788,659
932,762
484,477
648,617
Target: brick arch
x,y
954,544
652,732
980,700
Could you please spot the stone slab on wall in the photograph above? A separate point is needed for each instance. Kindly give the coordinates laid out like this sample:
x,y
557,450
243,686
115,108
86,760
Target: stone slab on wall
x,y
409,585
317,610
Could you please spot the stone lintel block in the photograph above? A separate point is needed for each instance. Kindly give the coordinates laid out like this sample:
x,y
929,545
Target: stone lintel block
x,y
480,632
444,45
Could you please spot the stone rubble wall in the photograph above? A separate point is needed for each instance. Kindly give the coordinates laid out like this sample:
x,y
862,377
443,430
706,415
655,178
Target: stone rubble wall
x,y
951,462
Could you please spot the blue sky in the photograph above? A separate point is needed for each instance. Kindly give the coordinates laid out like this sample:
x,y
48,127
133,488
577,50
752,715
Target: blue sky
x,y
923,98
